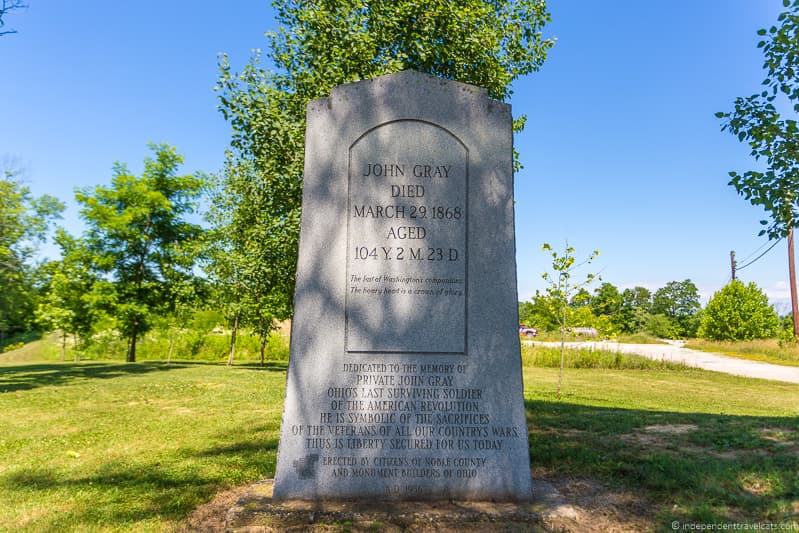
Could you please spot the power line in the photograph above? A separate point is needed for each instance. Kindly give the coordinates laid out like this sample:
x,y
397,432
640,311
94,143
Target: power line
x,y
745,259
759,256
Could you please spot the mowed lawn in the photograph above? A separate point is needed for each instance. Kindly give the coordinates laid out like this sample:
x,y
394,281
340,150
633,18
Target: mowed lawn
x,y
114,446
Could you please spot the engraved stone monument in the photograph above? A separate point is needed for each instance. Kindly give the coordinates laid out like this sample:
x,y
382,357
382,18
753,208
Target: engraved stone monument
x,y
405,378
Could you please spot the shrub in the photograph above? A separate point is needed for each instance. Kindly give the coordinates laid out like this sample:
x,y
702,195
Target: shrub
x,y
660,326
739,312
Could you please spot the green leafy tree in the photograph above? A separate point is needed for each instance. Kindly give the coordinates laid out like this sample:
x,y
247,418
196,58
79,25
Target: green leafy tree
x,y
582,298
538,313
248,257
607,301
324,43
679,301
139,237
561,289
634,311
24,224
660,326
773,136
69,304
739,312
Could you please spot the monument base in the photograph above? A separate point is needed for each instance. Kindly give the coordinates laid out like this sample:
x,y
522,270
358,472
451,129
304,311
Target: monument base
x,y
253,509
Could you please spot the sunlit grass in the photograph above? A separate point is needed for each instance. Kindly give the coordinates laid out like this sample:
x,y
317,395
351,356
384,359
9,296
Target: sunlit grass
x,y
765,350
136,447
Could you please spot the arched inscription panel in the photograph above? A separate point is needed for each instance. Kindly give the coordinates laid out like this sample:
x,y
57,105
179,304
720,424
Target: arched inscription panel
x,y
407,249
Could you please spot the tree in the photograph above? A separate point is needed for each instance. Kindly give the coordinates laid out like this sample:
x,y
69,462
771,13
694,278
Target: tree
x,y
69,303
606,300
6,7
538,313
138,236
660,326
774,138
324,43
561,289
635,306
679,301
247,255
582,298
739,312
24,224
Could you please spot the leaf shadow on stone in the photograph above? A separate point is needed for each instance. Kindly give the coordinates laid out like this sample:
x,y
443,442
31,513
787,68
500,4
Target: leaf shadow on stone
x,y
712,467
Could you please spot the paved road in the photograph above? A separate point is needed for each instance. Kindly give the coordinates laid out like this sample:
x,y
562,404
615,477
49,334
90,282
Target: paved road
x,y
708,361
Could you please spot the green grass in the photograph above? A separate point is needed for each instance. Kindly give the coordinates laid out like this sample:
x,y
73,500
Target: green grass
x,y
546,357
637,338
632,338
113,446
703,446
765,350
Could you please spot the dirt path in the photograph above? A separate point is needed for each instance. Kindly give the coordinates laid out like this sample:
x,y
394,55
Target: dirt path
x,y
695,358
570,505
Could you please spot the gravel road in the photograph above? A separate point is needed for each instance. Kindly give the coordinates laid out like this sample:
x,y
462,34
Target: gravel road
x,y
708,361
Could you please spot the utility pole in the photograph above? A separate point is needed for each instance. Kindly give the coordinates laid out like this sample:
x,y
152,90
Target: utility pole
x,y
732,264
792,283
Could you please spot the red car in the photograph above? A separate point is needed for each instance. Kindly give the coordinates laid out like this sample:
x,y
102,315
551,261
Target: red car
x,y
527,332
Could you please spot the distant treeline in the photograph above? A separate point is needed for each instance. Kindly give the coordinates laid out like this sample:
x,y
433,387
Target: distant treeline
x,y
737,312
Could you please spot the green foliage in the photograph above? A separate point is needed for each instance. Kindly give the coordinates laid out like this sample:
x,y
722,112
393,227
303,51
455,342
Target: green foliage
x,y
634,311
606,300
771,136
581,298
70,303
321,44
660,326
739,312
543,357
250,251
561,289
24,223
538,313
139,238
679,301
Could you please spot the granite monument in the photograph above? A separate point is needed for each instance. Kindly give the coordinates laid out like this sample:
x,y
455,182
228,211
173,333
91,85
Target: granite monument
x,y
405,377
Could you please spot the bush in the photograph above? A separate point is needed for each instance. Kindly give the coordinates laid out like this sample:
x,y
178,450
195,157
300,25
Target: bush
x,y
660,326
739,312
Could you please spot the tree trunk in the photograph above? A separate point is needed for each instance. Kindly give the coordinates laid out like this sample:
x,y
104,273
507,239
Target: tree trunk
x,y
171,345
74,347
132,348
562,349
63,345
233,340
792,282
264,337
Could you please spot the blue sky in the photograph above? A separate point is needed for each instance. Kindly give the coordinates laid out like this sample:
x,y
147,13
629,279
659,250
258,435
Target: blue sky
x,y
622,152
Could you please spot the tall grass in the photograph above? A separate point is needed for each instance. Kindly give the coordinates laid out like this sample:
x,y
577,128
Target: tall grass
x,y
767,350
187,345
545,357
193,345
